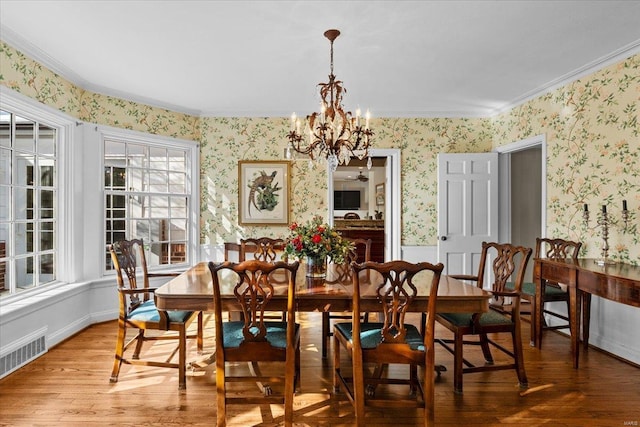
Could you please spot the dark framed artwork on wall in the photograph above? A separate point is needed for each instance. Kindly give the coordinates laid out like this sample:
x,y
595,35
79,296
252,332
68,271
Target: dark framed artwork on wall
x,y
263,192
380,194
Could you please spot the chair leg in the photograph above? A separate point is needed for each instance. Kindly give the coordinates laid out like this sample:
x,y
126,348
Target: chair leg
x,y
200,333
296,383
289,390
336,364
413,378
429,388
221,396
326,335
358,391
117,363
457,362
140,341
534,331
519,357
486,351
182,358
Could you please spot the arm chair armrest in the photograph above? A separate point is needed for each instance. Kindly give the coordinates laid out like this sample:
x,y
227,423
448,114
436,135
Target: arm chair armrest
x,y
511,309
512,293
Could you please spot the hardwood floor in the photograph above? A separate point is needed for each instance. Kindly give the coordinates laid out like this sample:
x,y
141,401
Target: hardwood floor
x,y
69,386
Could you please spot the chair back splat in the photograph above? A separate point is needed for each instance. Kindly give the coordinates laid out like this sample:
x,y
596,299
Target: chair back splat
x,y
262,248
256,339
360,252
507,264
137,310
398,286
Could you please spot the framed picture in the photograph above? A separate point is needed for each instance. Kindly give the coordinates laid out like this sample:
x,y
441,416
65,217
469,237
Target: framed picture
x,y
263,192
380,194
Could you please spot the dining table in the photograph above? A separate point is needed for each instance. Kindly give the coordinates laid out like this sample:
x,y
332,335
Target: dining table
x,y
193,290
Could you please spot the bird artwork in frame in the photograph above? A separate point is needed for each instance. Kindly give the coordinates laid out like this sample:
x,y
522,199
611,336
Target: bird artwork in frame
x,y
263,192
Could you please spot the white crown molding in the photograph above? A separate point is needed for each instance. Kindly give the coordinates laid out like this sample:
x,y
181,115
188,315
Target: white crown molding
x,y
21,44
26,47
590,68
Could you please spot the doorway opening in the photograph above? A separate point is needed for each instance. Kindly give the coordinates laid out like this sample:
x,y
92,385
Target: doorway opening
x,y
373,195
523,192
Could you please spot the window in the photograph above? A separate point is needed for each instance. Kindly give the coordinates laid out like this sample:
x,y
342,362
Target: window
x,y
28,200
147,193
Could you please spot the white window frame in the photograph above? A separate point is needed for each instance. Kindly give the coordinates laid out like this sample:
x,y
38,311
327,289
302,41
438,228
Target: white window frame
x,y
64,125
193,176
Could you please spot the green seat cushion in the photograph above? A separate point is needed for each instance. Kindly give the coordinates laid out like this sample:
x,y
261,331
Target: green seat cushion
x,y
371,335
489,318
276,333
147,312
529,288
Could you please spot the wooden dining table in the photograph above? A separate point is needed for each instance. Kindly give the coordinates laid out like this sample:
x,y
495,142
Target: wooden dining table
x,y
193,290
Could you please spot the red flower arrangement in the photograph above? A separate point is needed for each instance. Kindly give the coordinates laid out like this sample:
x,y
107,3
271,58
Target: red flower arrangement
x,y
316,239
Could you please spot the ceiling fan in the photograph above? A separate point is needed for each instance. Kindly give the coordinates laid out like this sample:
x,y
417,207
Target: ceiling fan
x,y
361,177
346,176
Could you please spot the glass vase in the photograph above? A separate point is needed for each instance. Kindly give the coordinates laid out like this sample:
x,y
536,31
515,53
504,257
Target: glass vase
x,y
317,267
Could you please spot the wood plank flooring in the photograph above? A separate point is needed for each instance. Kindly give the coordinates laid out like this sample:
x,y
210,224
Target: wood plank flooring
x,y
69,386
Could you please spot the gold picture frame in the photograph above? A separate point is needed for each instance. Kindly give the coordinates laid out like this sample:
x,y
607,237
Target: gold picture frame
x,y
380,194
264,190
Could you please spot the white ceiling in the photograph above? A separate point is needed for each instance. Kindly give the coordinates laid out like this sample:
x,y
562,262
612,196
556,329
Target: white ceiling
x,y
265,58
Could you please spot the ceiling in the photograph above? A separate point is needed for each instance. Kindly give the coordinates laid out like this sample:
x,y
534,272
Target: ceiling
x,y
265,58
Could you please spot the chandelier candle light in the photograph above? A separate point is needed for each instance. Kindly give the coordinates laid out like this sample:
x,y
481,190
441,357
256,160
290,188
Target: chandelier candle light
x,y
333,133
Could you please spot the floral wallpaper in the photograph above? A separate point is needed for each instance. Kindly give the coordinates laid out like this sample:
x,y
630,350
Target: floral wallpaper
x,y
591,126
593,155
227,140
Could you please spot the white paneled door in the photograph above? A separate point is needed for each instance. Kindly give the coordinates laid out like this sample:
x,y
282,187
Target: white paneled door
x,y
467,209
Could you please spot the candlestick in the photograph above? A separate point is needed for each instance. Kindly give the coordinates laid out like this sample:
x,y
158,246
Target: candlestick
x,y
603,222
625,215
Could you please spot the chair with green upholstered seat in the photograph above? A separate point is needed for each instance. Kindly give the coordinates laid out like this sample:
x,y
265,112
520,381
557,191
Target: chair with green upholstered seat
x,y
390,342
138,311
552,292
255,339
499,263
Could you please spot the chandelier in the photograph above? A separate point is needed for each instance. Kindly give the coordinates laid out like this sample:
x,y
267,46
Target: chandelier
x,y
333,133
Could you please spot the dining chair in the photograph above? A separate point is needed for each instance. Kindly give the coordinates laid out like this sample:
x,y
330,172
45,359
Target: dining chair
x,y
551,292
262,248
391,341
232,251
343,271
137,310
254,339
499,263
